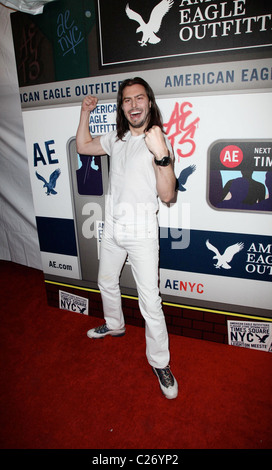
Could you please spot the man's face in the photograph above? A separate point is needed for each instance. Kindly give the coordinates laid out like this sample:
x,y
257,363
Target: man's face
x,y
136,107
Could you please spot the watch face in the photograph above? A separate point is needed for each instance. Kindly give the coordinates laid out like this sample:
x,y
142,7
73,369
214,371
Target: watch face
x,y
164,161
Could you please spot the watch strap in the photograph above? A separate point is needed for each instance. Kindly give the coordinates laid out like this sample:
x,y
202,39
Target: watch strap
x,y
165,161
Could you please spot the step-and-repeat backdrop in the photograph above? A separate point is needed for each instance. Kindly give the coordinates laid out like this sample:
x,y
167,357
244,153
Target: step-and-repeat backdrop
x,y
209,64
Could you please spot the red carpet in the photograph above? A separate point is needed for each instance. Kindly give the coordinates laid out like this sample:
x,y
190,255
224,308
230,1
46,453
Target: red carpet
x,y
61,390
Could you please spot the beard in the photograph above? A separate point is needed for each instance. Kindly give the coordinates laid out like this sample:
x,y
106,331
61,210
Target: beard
x,y
137,126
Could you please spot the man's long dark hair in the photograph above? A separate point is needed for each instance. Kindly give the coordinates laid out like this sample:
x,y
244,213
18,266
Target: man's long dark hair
x,y
155,118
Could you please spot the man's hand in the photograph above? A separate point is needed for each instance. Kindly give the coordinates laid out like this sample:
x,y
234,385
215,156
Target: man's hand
x,y
155,142
165,177
89,103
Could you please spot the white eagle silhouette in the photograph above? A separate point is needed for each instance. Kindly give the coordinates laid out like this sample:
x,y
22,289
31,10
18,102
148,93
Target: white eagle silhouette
x,y
223,260
149,29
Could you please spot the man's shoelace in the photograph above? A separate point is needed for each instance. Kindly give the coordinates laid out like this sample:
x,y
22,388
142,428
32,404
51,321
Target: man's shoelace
x,y
101,329
166,377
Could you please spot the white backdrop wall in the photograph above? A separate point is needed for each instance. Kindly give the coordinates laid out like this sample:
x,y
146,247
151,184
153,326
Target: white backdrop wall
x,y
251,120
18,233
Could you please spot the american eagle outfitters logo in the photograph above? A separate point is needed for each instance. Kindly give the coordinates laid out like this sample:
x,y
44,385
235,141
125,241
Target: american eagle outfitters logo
x,y
172,28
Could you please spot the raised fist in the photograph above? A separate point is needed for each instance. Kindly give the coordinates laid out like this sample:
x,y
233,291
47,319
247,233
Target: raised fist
x,y
89,103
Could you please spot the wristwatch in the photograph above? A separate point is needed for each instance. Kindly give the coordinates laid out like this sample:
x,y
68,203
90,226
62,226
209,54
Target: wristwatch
x,y
165,161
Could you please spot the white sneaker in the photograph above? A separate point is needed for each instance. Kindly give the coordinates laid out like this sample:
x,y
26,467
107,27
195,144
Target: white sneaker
x,y
167,381
103,330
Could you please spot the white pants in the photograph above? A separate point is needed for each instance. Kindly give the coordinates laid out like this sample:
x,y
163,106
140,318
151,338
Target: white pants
x,y
142,249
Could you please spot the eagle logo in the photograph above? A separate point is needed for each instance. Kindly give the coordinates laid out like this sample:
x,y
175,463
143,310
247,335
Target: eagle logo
x,y
262,339
51,184
184,175
149,29
224,259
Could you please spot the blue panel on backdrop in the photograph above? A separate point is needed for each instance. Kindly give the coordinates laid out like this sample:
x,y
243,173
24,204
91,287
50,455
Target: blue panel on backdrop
x,y
57,235
218,253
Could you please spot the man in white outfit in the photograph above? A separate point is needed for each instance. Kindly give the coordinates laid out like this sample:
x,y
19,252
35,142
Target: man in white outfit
x,y
141,170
